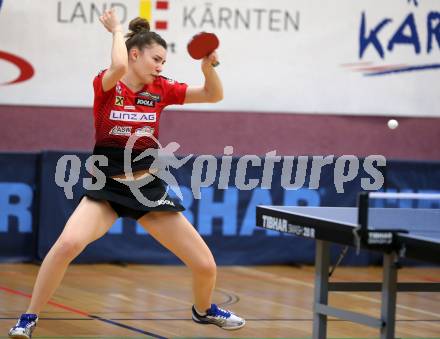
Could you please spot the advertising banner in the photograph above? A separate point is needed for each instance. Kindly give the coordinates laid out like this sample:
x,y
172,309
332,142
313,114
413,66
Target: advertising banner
x,y
310,56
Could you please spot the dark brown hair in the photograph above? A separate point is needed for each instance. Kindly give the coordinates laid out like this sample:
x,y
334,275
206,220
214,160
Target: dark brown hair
x,y
141,36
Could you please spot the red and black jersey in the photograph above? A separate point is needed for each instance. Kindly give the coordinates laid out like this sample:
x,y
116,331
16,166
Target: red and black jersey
x,y
120,112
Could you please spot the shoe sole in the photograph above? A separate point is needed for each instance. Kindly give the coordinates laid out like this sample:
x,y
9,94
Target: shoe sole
x,y
235,327
18,336
224,328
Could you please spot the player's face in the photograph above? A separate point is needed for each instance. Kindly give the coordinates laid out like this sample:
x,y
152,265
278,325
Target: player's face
x,y
150,62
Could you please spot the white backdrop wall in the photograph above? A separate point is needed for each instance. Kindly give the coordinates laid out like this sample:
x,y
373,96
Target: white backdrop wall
x,y
308,56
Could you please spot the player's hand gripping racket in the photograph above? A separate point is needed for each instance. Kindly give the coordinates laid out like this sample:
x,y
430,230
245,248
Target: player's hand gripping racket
x,y
203,44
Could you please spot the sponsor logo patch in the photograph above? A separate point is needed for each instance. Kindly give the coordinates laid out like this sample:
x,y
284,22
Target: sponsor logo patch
x,y
151,96
145,102
119,101
121,130
144,131
132,108
165,202
133,116
118,89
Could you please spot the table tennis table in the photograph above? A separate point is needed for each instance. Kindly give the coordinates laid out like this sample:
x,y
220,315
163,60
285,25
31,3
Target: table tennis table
x,y
394,232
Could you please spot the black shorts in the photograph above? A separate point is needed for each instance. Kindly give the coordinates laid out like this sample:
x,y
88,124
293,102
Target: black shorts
x,y
154,197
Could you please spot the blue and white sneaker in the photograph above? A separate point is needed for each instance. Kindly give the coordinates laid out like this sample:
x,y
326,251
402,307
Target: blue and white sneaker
x,y
220,317
25,325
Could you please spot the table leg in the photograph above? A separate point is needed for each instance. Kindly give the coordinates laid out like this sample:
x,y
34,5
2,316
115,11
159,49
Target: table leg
x,y
322,263
389,296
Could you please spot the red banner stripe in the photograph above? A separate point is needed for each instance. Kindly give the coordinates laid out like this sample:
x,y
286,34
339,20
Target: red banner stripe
x,y
161,24
162,5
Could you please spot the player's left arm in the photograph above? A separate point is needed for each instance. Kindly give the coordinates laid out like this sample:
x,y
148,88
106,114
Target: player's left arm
x,y
212,90
119,56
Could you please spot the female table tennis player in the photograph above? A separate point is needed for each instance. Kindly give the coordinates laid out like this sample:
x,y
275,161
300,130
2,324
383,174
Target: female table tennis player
x,y
133,84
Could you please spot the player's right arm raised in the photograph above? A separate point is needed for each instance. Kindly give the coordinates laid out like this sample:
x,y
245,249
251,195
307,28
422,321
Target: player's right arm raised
x,y
119,63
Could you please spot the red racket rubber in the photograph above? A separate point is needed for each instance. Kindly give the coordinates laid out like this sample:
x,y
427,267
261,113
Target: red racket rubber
x,y
203,44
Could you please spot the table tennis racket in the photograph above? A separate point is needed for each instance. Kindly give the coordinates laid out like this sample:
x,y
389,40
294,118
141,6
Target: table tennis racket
x,y
203,44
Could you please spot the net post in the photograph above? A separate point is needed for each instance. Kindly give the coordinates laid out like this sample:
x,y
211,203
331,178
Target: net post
x,y
363,205
361,231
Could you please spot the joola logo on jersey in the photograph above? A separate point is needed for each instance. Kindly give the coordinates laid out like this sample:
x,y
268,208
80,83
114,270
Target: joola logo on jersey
x,y
119,101
132,116
145,102
121,130
151,96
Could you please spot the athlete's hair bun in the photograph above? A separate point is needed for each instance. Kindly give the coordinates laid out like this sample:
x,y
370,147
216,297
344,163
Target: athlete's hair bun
x,y
137,25
140,35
